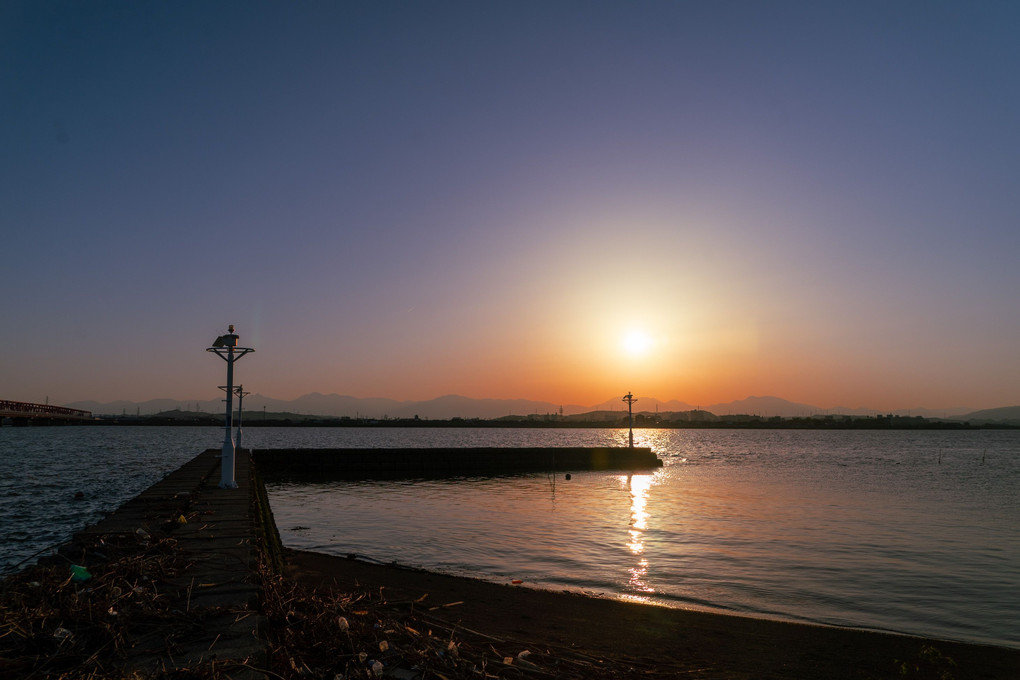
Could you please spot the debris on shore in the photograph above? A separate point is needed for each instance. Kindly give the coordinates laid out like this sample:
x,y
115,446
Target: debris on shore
x,y
56,623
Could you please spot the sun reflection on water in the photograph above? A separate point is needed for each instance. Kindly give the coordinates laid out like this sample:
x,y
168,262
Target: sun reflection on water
x,y
638,485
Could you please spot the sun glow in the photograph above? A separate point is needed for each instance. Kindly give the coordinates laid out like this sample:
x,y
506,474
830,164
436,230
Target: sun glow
x,y
637,342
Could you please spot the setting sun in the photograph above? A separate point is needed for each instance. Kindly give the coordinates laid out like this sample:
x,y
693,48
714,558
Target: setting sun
x,y
636,342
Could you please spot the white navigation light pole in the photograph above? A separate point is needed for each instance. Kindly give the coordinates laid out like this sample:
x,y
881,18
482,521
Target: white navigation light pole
x,y
241,394
630,415
226,348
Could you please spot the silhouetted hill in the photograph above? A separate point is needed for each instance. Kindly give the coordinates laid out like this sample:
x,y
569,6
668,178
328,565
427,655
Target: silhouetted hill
x,y
647,404
453,405
337,405
145,408
340,405
1006,414
764,406
456,406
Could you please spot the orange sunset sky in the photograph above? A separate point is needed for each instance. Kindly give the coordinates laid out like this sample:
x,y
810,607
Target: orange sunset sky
x,y
559,202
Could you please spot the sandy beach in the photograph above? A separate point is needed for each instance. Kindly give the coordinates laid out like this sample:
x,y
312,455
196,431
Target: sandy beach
x,y
638,640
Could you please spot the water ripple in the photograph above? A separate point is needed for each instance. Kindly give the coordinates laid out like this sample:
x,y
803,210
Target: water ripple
x,y
904,531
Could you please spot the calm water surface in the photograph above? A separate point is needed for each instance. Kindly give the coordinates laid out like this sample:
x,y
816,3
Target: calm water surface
x,y
41,469
912,532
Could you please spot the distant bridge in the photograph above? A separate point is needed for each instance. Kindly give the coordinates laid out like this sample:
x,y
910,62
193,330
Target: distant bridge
x,y
23,413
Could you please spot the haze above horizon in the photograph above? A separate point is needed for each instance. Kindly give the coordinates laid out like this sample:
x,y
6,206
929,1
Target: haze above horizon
x,y
504,200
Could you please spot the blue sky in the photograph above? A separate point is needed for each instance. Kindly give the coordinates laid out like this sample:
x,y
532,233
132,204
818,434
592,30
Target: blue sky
x,y
405,200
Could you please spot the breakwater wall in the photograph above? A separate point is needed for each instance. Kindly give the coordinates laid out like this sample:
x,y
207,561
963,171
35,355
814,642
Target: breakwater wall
x,y
405,463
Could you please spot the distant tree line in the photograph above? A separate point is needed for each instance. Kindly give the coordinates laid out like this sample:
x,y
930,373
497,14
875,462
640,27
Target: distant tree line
x,y
599,419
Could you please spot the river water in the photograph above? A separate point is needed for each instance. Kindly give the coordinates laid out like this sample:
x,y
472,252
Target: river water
x,y
912,532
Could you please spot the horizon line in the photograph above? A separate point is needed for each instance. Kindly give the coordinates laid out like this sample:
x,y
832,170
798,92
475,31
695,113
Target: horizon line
x,y
556,406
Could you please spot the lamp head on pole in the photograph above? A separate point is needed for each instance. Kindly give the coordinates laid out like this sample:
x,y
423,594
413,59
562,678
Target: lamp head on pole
x,y
225,346
228,340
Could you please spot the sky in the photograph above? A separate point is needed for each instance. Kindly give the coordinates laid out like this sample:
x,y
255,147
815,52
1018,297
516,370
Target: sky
x,y
560,201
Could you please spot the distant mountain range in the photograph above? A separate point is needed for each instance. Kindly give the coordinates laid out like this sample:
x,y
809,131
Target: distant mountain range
x,y
455,406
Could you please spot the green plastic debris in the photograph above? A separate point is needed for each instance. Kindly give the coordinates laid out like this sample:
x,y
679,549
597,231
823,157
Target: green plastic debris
x,y
79,573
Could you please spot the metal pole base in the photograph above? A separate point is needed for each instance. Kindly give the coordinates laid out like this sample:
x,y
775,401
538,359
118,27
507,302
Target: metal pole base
x,y
227,466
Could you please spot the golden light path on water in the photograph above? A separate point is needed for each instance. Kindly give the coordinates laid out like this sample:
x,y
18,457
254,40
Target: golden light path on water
x,y
638,486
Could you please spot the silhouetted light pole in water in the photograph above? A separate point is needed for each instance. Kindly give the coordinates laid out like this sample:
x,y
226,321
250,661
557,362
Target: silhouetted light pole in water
x,y
630,415
241,394
226,348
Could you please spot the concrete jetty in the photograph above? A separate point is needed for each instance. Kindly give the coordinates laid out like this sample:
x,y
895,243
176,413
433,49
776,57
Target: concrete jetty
x,y
214,585
431,462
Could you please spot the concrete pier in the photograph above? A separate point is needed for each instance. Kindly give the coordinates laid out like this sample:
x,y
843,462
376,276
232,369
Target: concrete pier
x,y
409,463
215,586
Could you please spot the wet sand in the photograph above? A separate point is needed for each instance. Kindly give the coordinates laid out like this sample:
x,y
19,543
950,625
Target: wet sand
x,y
647,638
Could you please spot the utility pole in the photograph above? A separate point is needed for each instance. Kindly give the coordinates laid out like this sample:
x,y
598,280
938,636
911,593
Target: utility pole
x,y
630,415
